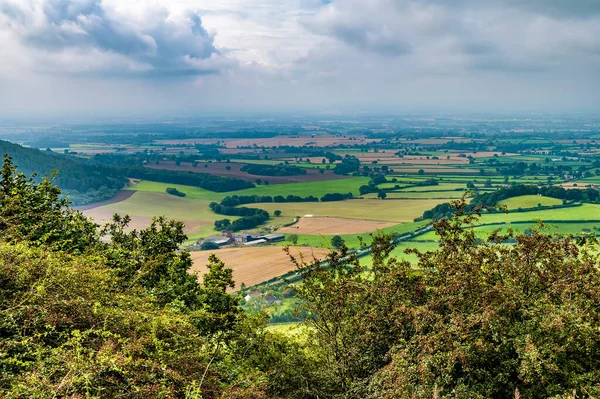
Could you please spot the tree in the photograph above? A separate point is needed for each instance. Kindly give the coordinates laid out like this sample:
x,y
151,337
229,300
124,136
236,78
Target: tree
x,y
208,246
337,241
277,212
421,172
381,194
293,238
485,317
36,212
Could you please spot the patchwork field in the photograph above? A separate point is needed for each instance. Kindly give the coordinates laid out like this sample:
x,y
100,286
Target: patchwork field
x,y
333,225
254,265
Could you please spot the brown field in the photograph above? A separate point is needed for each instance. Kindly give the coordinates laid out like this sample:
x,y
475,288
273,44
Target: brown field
x,y
576,185
443,140
430,169
483,154
411,159
102,215
329,226
220,169
255,265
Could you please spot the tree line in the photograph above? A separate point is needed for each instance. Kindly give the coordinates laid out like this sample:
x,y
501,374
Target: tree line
x,y
84,183
273,170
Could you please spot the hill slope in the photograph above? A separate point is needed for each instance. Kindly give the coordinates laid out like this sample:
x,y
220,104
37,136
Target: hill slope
x,y
82,183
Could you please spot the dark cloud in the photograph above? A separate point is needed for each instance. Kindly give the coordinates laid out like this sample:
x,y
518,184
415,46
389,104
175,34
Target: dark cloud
x,y
159,46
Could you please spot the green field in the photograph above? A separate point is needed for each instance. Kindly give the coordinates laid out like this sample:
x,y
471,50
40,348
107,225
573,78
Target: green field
x,y
582,213
529,201
399,254
354,240
317,189
418,195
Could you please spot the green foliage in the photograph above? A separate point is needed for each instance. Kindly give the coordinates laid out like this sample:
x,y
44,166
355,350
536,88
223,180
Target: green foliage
x,y
208,246
175,192
273,170
293,238
471,319
39,214
121,317
337,241
84,183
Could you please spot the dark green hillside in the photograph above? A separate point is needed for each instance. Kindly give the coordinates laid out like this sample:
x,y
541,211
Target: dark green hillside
x,y
82,183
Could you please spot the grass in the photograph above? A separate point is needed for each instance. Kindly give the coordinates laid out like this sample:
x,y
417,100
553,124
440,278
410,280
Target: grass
x,y
354,240
582,213
156,204
370,209
418,195
399,254
529,201
316,188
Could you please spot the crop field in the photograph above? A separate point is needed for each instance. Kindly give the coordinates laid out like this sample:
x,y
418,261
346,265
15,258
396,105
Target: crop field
x,y
254,265
333,225
439,187
430,169
380,210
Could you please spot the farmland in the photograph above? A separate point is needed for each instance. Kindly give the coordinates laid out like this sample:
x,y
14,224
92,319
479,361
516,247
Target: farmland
x,y
254,265
395,175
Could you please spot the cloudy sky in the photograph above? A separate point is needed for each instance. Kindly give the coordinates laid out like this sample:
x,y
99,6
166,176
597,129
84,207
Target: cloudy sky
x,y
200,56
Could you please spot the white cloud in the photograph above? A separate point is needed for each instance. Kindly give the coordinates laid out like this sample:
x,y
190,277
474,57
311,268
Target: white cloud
x,y
392,54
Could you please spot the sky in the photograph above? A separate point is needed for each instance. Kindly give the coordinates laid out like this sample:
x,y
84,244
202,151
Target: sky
x,y
151,57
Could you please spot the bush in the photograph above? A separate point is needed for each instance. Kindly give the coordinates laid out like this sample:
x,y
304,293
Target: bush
x,y
208,246
174,191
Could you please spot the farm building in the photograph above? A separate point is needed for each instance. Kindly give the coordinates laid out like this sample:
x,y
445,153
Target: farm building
x,y
219,240
251,237
273,237
255,242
